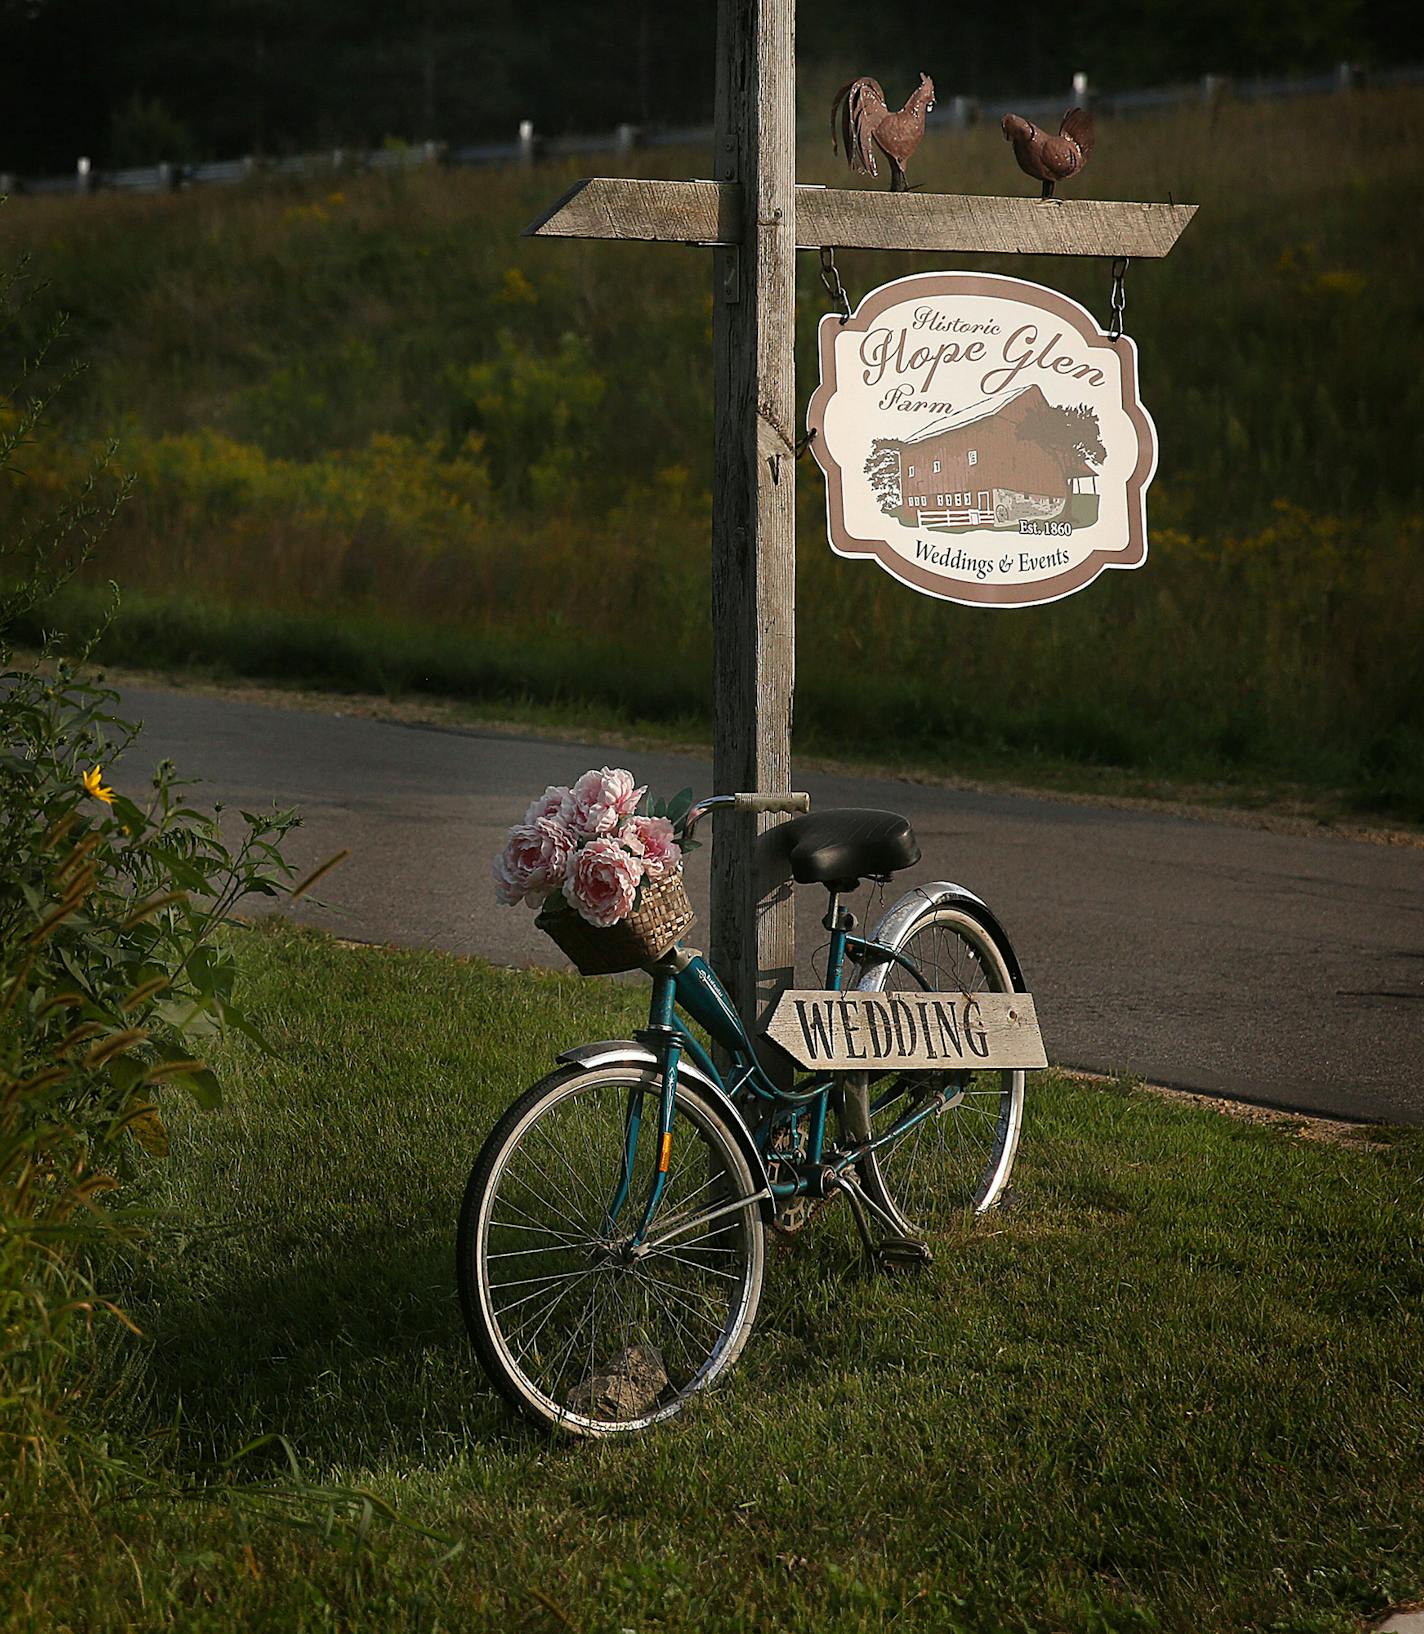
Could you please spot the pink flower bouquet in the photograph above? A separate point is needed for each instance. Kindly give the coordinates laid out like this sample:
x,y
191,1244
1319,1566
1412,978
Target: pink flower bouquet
x,y
598,845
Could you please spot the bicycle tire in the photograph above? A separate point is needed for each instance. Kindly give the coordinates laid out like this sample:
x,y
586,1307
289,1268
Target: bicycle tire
x,y
958,1161
632,1341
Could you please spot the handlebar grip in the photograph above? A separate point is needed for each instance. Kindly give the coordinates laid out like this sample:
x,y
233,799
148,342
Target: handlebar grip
x,y
771,802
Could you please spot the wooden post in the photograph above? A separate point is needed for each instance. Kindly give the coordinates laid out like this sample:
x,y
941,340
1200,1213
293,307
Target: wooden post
x,y
753,509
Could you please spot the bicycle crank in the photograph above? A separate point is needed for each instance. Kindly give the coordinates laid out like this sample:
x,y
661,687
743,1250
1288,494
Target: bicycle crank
x,y
891,1251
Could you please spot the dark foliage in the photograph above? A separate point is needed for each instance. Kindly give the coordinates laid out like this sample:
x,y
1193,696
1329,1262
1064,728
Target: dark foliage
x,y
263,76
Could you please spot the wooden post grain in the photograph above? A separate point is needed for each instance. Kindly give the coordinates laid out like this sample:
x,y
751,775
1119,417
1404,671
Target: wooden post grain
x,y
753,512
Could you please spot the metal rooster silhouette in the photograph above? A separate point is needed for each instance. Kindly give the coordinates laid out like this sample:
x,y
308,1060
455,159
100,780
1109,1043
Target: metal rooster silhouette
x,y
860,115
1051,159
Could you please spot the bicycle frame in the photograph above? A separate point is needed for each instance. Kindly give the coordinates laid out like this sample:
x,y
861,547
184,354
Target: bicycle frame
x,y
687,983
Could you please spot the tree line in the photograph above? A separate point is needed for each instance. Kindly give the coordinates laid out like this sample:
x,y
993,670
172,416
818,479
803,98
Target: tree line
x,y
164,79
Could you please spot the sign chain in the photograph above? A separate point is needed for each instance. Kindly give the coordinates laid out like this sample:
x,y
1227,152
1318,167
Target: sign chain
x,y
1118,299
831,278
840,303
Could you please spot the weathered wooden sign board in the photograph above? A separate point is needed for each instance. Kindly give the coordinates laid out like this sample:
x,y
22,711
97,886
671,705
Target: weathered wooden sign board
x,y
875,1031
982,439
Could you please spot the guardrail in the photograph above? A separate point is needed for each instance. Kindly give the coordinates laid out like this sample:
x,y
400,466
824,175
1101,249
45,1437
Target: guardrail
x,y
530,145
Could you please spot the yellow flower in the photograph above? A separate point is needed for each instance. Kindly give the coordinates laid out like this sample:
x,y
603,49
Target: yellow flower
x,y
1348,284
517,290
93,785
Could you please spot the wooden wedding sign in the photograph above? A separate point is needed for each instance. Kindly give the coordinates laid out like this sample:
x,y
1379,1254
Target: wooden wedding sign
x,y
982,439
878,1031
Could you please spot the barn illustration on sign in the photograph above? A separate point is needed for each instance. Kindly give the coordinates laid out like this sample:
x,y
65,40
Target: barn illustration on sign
x,y
993,464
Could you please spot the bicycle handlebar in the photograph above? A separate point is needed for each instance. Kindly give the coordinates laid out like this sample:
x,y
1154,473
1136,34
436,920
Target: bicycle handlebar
x,y
771,802
743,802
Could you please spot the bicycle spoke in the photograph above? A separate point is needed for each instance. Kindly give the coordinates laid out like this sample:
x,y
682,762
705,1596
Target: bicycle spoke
x,y
522,1253
599,1288
555,1370
684,1206
526,1282
532,1339
547,1231
692,1308
558,1214
702,1270
539,1293
566,1201
693,1342
580,1183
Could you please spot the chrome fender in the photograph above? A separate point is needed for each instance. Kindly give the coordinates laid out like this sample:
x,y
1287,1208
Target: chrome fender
x,y
900,916
627,1052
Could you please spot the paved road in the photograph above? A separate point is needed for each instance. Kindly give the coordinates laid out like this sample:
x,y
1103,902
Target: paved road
x,y
1275,968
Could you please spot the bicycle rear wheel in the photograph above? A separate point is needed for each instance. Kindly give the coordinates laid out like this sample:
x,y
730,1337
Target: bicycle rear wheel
x,y
956,1161
574,1328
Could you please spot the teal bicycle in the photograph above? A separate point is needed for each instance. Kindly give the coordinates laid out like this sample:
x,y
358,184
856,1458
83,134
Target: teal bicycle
x,y
613,1238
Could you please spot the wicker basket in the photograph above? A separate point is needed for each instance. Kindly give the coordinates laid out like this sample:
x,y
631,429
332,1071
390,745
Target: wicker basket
x,y
642,938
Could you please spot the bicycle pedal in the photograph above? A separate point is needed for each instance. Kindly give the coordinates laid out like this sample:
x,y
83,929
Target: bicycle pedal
x,y
902,1251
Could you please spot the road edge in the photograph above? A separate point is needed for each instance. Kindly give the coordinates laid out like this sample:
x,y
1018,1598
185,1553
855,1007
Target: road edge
x,y
464,717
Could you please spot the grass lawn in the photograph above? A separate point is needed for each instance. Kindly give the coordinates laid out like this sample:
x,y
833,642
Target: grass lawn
x,y
1178,1384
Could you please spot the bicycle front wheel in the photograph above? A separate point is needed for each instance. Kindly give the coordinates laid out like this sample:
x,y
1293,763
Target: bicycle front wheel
x,y
575,1326
957,1160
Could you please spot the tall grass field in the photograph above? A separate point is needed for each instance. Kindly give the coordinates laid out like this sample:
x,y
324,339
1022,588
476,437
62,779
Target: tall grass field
x,y
383,441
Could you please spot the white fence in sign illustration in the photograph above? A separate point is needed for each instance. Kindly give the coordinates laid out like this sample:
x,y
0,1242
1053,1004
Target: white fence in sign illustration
x,y
971,518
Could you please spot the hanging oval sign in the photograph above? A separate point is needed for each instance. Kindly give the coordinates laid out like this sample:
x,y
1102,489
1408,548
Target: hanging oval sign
x,y
982,439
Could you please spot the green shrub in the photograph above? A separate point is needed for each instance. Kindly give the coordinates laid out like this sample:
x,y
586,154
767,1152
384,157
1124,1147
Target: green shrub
x,y
111,985
110,990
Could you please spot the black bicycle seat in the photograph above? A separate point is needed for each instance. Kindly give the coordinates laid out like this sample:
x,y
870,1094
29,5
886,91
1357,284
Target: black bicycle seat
x,y
842,847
